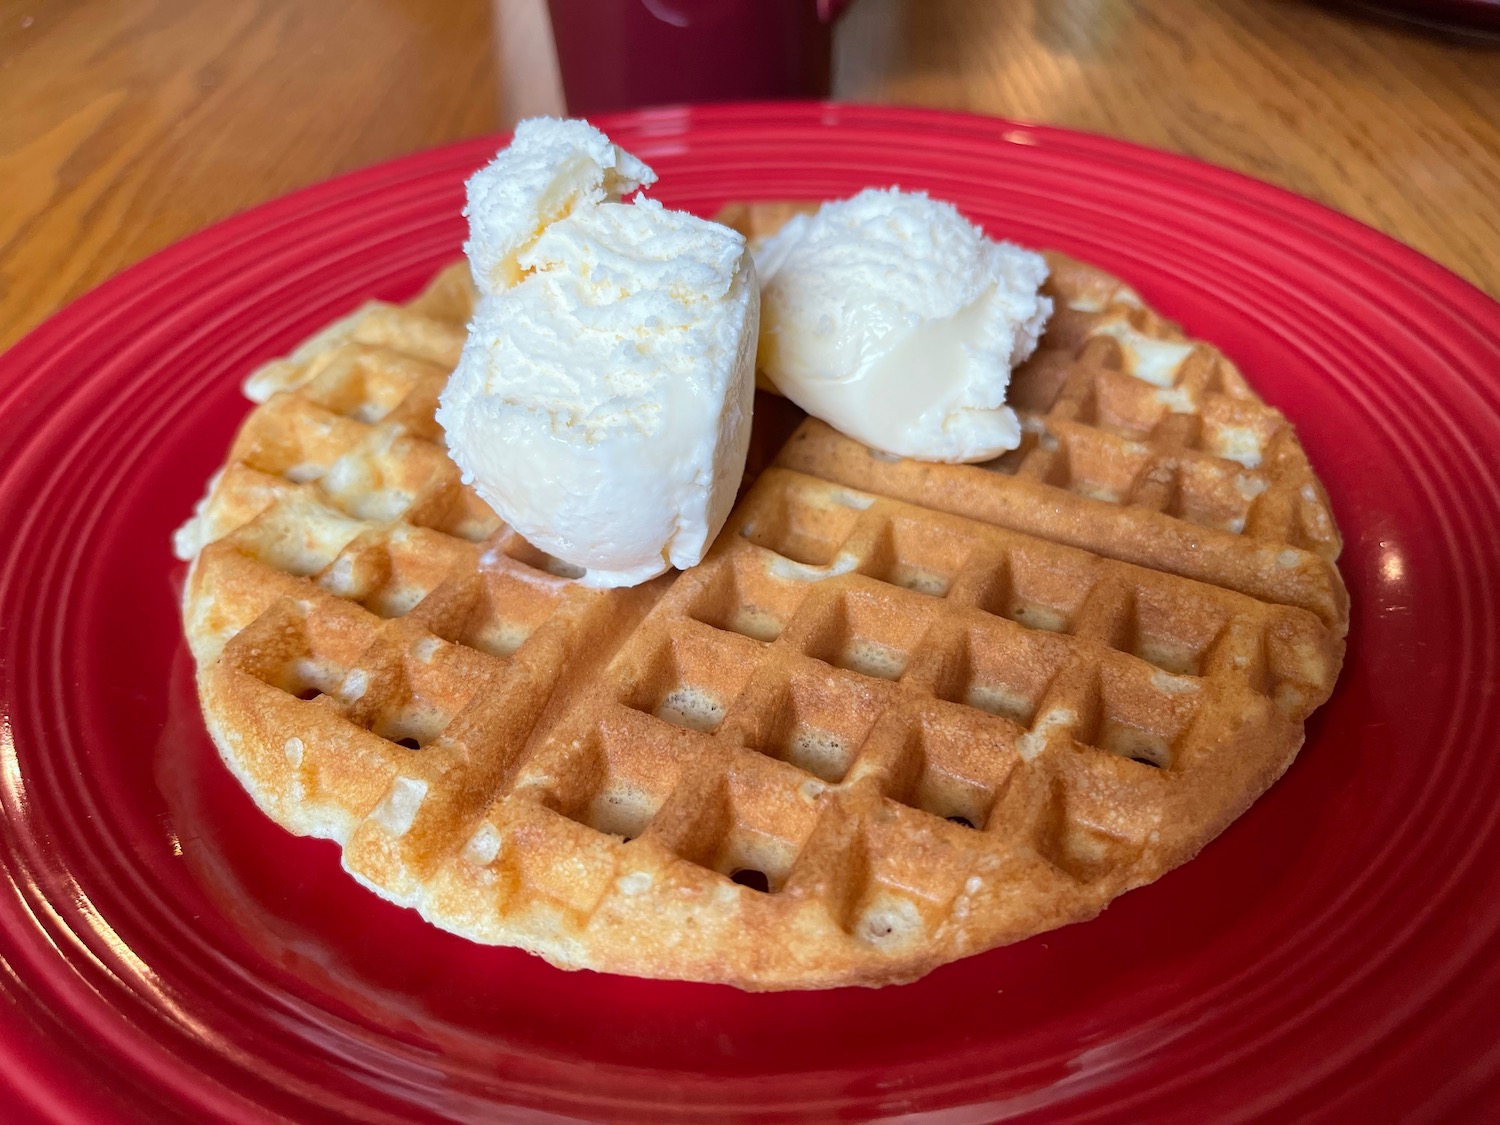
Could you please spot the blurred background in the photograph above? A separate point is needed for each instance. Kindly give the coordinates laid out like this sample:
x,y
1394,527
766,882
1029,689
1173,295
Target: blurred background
x,y
127,124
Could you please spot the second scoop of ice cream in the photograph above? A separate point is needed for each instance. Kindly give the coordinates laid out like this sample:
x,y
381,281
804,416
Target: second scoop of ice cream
x,y
894,319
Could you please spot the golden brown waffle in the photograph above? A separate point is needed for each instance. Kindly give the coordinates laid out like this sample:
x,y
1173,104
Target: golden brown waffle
x,y
901,713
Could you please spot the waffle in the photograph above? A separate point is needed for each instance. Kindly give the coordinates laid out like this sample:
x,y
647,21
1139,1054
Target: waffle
x,y
901,713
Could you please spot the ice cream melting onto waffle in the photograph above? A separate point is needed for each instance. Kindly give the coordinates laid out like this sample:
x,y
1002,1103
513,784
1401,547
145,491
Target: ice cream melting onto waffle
x,y
602,401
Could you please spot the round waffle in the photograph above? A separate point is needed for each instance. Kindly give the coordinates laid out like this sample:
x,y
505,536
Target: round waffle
x,y
901,713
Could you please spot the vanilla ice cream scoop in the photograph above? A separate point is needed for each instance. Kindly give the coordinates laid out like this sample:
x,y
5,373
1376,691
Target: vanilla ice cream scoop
x,y
894,319
601,404
550,169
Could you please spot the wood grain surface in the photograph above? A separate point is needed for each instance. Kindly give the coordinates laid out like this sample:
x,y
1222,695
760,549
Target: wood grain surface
x,y
127,124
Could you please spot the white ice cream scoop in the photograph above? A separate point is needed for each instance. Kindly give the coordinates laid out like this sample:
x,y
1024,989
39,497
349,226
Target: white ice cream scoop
x,y
894,319
602,402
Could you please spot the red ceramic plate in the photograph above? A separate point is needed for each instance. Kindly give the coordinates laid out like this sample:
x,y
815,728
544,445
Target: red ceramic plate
x,y
167,953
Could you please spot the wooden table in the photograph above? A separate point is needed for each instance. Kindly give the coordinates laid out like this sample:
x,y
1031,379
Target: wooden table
x,y
126,125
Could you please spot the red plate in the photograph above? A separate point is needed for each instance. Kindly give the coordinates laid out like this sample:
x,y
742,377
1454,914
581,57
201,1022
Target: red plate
x,y
166,952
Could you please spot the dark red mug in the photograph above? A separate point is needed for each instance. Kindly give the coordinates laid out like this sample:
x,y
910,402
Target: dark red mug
x,y
615,54
1452,15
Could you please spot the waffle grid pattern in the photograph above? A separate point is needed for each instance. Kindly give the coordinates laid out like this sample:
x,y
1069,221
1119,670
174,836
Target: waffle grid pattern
x,y
1162,426
864,737
922,685
1138,443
